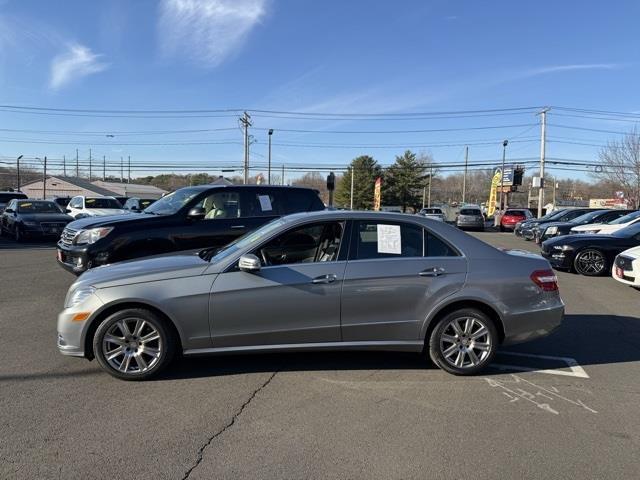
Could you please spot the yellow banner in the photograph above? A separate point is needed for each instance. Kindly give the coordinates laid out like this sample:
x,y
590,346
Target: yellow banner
x,y
491,207
377,194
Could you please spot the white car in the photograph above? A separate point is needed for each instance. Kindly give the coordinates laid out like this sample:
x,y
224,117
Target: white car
x,y
626,267
607,228
433,213
82,207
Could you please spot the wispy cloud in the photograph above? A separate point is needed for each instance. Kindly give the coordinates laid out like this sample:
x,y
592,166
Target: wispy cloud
x,y
207,31
76,62
533,72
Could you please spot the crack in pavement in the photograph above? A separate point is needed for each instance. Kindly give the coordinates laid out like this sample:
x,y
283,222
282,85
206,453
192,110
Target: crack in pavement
x,y
227,426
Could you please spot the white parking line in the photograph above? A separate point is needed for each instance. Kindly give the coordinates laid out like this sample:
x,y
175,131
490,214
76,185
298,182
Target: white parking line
x,y
575,370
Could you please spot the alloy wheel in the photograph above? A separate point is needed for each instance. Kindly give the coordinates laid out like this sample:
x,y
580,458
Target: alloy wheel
x,y
132,346
590,262
465,342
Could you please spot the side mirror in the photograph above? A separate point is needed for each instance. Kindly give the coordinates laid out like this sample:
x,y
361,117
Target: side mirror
x,y
8,210
249,263
196,213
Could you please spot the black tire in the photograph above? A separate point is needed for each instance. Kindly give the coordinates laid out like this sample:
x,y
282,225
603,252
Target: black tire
x,y
134,347
17,234
437,342
590,262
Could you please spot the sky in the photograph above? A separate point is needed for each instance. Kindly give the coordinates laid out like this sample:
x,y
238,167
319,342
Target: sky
x,y
343,67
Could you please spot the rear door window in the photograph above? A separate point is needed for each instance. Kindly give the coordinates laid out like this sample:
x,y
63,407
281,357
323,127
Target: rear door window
x,y
299,200
262,203
388,240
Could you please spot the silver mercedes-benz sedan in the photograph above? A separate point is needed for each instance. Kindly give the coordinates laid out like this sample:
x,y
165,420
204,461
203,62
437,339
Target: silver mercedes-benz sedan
x,y
315,281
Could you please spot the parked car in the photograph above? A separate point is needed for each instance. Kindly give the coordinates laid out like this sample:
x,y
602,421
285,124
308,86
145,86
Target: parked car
x,y
122,200
62,202
528,224
626,267
433,213
315,281
32,218
470,218
590,254
138,204
512,216
557,229
534,227
6,197
189,218
82,207
612,226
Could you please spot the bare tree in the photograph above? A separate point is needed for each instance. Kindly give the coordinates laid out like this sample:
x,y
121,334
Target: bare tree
x,y
621,165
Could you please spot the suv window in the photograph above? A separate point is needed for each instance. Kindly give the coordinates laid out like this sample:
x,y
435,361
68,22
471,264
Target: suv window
x,y
388,240
221,205
318,242
261,203
299,200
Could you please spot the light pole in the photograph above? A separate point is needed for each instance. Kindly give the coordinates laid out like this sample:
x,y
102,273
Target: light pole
x,y
269,169
504,154
18,170
44,177
351,196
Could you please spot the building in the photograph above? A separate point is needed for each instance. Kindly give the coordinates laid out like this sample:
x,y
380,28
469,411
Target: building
x,y
61,186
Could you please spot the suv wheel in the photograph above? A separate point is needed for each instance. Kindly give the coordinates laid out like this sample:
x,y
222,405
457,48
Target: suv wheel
x,y
463,342
134,344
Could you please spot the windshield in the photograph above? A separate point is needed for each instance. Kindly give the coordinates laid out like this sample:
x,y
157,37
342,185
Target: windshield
x,y
628,232
626,218
101,202
38,207
587,217
431,211
247,240
171,203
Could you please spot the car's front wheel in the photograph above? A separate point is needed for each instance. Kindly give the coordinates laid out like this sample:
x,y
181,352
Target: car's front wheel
x,y
590,262
134,344
463,342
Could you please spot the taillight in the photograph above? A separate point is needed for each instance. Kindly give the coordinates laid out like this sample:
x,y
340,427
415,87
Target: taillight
x,y
546,280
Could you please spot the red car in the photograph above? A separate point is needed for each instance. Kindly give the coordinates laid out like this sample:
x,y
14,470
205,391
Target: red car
x,y
513,216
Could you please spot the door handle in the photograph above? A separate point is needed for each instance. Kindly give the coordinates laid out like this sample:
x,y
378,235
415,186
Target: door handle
x,y
432,272
237,227
329,278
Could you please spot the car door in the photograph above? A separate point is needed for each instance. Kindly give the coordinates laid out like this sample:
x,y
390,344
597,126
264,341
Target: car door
x,y
396,273
293,299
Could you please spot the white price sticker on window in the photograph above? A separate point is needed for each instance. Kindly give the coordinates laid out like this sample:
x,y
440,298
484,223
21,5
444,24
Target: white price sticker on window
x,y
265,203
389,240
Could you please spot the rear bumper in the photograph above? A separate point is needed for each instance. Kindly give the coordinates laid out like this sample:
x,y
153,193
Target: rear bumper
x,y
529,326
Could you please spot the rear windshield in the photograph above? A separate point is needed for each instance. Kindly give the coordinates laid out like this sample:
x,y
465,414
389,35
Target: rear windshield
x,y
432,211
470,211
101,203
7,197
38,207
520,213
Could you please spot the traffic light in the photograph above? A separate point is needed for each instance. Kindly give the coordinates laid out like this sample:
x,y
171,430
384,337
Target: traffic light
x,y
331,182
518,173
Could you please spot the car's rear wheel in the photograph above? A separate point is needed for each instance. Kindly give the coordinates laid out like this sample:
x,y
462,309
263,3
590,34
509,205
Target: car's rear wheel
x,y
134,344
590,262
463,342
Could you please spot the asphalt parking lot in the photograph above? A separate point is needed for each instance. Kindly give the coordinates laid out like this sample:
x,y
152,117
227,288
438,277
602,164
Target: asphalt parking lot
x,y
562,407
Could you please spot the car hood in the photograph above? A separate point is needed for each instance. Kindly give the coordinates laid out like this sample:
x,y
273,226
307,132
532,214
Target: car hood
x,y
150,269
577,239
45,217
107,221
589,226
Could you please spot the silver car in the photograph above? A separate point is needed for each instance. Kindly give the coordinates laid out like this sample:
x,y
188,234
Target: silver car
x,y
470,218
315,281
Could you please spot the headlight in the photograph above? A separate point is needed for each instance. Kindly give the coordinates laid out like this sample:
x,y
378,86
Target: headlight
x,y
78,296
564,248
30,224
87,237
552,230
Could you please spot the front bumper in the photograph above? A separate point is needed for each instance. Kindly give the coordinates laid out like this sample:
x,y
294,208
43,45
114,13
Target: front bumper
x,y
77,259
559,259
72,333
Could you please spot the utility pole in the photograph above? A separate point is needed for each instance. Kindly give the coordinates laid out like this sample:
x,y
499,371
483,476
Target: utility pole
x,y
352,176
77,165
424,195
283,174
543,142
44,179
89,165
554,192
129,167
430,180
504,154
245,120
104,168
269,170
18,170
121,170
464,178
64,165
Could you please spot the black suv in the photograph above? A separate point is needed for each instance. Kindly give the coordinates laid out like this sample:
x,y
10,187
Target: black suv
x,y
205,216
